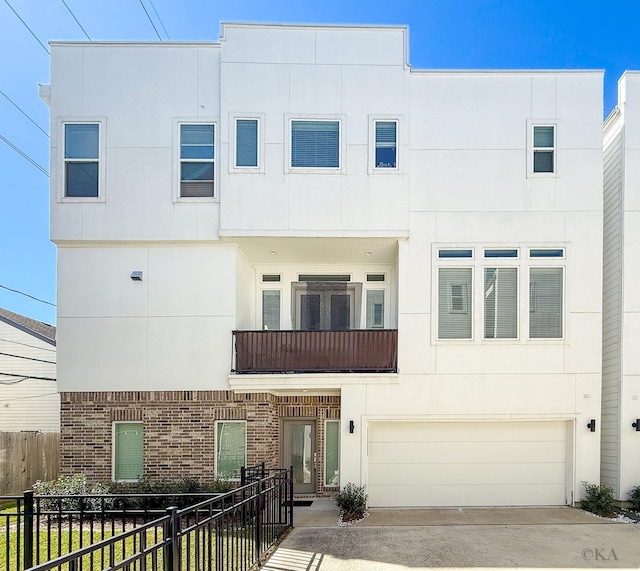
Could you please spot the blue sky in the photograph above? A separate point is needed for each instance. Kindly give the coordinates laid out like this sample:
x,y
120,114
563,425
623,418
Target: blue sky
x,y
443,34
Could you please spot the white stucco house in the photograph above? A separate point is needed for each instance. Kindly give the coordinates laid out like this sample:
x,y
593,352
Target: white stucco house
x,y
291,246
621,324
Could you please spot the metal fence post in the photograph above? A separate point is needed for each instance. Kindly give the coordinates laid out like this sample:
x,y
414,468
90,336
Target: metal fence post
x,y
259,500
172,551
291,496
27,530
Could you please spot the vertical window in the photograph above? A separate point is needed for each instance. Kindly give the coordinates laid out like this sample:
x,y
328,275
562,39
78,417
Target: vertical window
x,y
545,303
197,160
386,153
500,303
81,164
271,309
454,303
375,309
231,448
246,142
543,148
315,144
128,451
332,453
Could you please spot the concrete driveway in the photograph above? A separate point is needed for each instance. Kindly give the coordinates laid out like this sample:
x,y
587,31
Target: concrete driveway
x,y
395,540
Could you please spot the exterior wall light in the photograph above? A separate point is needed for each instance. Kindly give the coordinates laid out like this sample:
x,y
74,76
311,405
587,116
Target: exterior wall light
x,y
636,424
352,427
592,425
136,276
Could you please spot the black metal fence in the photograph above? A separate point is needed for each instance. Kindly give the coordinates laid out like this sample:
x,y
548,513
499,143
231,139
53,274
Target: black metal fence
x,y
222,532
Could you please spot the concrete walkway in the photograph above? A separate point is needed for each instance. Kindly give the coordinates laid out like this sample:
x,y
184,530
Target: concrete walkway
x,y
414,539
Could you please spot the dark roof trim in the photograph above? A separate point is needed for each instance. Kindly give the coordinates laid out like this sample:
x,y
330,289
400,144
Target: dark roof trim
x,y
38,329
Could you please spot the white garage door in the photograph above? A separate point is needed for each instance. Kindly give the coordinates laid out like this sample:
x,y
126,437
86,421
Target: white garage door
x,y
467,463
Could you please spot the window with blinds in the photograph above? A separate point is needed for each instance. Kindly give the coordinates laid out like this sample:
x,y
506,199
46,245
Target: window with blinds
x,y
500,303
81,159
386,150
375,309
247,143
271,310
543,148
545,303
315,144
231,448
197,150
454,303
128,451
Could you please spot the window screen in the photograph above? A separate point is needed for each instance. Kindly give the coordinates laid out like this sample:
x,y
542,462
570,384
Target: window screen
x,y
315,144
543,148
247,143
500,303
545,303
386,144
81,152
128,451
231,448
454,303
197,150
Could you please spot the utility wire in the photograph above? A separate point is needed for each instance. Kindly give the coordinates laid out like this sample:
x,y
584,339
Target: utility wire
x,y
76,19
159,19
28,358
27,345
28,28
29,397
27,157
23,112
26,294
149,18
24,378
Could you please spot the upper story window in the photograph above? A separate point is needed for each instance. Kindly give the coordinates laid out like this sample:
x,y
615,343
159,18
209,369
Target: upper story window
x,y
246,143
454,303
197,151
500,303
546,303
315,144
386,133
81,160
544,147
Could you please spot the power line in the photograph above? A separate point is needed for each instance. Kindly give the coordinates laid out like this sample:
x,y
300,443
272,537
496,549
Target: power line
x,y
28,28
23,112
28,358
26,294
76,19
149,18
24,378
29,397
27,157
159,19
27,345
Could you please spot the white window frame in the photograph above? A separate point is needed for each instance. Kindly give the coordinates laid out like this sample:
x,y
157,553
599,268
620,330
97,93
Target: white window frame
x,y
531,149
233,135
217,444
547,263
113,449
371,161
470,309
503,263
324,475
261,290
177,170
102,158
342,127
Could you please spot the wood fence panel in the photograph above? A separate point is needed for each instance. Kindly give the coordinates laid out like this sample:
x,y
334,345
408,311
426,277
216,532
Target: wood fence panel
x,y
26,457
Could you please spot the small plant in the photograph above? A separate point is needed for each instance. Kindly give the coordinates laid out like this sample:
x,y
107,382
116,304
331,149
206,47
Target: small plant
x,y
634,498
352,500
599,499
75,485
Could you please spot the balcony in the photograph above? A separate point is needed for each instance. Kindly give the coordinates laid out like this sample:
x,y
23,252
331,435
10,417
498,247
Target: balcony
x,y
352,351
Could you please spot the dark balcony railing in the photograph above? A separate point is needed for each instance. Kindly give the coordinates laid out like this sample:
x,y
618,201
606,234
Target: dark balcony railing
x,y
352,351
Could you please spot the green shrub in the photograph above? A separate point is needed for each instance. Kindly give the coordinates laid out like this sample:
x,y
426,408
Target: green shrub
x,y
634,497
352,499
70,486
599,499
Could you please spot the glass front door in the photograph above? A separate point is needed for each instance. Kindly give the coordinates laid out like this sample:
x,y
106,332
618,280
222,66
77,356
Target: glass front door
x,y
299,451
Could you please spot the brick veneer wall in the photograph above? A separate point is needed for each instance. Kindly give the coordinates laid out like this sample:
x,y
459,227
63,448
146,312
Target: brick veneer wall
x,y
179,429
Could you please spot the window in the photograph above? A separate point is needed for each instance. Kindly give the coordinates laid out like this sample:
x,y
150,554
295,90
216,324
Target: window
x,y
81,159
545,303
247,143
454,303
231,448
271,309
315,144
127,451
386,150
375,309
455,254
332,453
546,253
197,160
543,148
500,303
511,253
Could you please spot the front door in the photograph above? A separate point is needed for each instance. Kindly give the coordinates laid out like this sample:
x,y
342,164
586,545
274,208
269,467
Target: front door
x,y
299,451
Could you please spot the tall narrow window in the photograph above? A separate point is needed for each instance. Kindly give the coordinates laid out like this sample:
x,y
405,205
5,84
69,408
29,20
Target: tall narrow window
x,y
197,160
500,303
231,448
81,152
271,309
386,150
454,303
315,144
332,453
545,303
543,149
375,309
246,142
128,451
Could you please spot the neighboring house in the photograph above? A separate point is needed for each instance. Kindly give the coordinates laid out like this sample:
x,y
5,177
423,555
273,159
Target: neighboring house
x,y
621,310
29,399
289,246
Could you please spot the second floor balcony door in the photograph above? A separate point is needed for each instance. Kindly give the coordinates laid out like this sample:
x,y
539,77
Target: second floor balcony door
x,y
325,306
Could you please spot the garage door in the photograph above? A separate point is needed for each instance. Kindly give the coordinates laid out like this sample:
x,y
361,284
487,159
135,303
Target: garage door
x,y
467,463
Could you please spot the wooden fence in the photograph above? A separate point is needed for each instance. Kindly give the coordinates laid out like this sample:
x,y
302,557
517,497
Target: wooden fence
x,y
26,457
